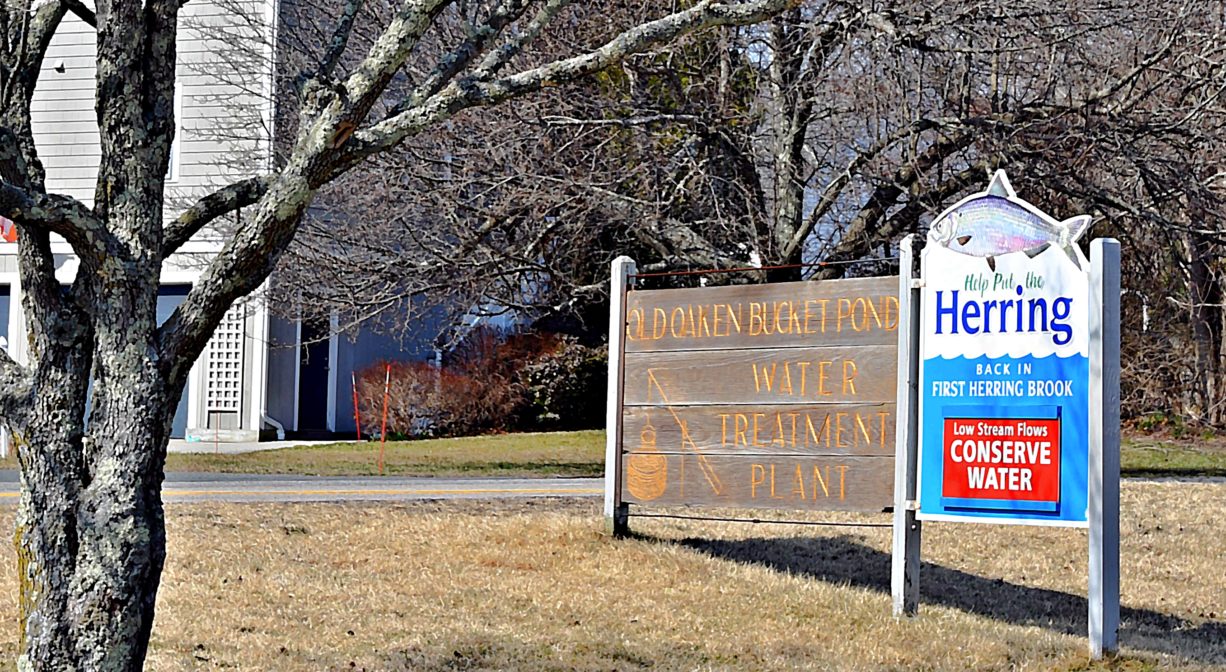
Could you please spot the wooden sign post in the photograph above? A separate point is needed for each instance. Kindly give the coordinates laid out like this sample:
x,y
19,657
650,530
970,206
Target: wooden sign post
x,y
615,511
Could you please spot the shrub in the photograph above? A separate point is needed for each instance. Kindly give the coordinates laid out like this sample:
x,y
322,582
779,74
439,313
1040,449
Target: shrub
x,y
494,382
566,387
425,401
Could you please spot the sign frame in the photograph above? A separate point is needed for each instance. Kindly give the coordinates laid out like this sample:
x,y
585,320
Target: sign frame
x,y
837,425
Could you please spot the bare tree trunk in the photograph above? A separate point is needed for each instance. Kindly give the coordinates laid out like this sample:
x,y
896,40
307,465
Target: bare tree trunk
x,y
1218,417
46,527
91,551
121,529
90,538
1204,293
790,116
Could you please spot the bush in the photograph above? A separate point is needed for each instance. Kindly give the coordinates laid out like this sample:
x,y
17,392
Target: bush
x,y
425,401
494,382
566,388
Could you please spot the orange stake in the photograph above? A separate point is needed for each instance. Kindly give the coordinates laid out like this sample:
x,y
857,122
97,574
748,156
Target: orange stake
x,y
387,382
357,415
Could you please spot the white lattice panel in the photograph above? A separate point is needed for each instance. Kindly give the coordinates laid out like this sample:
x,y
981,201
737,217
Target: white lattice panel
x,y
224,371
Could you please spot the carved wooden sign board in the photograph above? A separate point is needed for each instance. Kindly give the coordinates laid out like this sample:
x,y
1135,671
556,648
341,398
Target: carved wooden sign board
x,y
760,396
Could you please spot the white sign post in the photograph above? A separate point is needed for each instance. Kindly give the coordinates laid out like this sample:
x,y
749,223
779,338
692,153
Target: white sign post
x,y
905,559
616,512
1104,486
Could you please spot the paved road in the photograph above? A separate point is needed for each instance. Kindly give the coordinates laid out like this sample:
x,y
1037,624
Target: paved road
x,y
205,487
199,487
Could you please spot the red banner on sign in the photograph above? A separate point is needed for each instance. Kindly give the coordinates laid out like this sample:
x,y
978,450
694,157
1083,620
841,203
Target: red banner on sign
x,y
1002,459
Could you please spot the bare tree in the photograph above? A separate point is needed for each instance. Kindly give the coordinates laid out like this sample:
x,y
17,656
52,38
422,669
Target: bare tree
x,y
831,131
90,532
822,136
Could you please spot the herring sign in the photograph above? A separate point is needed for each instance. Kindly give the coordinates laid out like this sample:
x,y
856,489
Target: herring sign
x,y
1008,405
1004,365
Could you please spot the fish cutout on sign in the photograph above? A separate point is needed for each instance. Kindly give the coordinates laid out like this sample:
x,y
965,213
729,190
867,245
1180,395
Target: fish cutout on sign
x,y
997,222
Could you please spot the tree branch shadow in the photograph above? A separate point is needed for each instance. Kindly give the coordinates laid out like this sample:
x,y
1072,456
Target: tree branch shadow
x,y
843,560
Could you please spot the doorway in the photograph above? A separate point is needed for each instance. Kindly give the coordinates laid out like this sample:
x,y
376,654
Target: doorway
x,y
313,367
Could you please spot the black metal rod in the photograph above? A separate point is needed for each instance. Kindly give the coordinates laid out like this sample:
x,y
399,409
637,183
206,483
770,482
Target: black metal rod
x,y
747,269
759,520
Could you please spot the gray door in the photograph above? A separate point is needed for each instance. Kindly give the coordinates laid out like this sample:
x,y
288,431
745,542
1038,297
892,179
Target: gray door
x,y
169,298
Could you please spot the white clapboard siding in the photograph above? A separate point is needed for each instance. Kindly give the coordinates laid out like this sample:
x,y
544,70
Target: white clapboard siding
x,y
65,124
224,80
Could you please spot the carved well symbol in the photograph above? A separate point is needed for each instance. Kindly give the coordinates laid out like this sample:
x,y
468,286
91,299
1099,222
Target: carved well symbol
x,y
647,471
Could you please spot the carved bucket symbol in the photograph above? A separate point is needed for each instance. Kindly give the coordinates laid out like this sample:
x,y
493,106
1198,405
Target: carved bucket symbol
x,y
647,470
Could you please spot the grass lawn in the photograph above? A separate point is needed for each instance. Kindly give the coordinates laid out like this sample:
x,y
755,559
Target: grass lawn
x,y
537,586
555,454
1142,456
582,454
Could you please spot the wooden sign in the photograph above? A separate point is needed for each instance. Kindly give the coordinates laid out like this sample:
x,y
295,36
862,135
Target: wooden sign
x,y
819,429
767,396
762,375
759,482
793,314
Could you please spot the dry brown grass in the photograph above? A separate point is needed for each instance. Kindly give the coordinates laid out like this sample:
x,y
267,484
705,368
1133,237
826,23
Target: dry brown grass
x,y
537,586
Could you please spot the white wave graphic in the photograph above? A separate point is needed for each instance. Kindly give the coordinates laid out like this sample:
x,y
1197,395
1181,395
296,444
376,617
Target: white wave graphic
x,y
995,293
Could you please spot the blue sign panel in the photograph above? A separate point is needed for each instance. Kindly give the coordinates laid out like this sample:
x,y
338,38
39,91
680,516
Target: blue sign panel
x,y
1004,372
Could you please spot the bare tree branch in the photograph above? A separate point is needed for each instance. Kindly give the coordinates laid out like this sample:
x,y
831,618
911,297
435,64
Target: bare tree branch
x,y
462,56
82,11
496,59
217,204
388,54
340,38
468,92
870,228
250,254
59,214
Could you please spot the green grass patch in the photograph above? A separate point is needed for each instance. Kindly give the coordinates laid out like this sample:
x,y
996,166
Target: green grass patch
x,y
577,454
553,454
1140,456
581,454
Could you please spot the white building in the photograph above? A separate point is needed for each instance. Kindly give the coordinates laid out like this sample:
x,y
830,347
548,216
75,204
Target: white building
x,y
259,373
